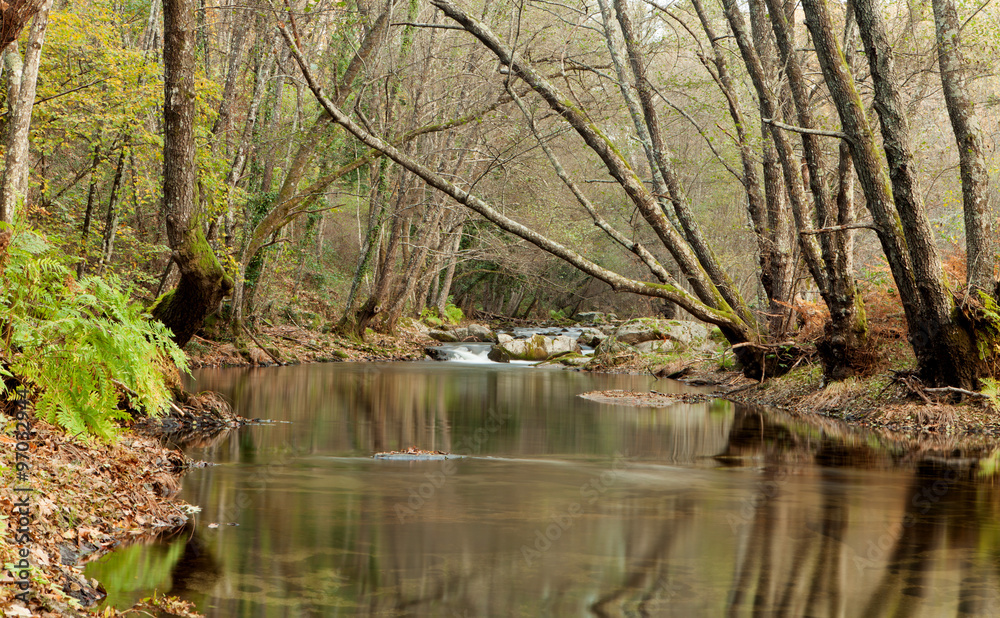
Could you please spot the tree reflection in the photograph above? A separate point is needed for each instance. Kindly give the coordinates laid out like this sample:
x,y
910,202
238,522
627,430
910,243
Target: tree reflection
x,y
766,514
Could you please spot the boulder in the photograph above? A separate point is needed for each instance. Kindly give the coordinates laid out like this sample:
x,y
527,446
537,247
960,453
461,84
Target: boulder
x,y
612,352
573,360
646,329
498,355
438,354
659,346
591,317
538,347
590,337
444,336
478,332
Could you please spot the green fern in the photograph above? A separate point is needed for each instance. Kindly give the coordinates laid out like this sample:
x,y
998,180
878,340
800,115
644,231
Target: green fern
x,y
88,351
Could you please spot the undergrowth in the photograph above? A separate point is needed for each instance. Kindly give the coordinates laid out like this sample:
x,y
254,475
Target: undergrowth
x,y
88,354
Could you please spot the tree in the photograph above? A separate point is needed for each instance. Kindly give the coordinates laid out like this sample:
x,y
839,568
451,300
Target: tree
x,y
15,175
709,303
203,282
981,247
943,338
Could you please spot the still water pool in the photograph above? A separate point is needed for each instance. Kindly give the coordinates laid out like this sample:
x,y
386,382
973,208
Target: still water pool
x,y
558,506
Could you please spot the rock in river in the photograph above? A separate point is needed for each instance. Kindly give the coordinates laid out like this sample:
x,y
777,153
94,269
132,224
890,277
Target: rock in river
x,y
537,347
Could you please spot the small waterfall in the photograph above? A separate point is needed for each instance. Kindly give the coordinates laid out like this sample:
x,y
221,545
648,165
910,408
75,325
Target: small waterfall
x,y
462,352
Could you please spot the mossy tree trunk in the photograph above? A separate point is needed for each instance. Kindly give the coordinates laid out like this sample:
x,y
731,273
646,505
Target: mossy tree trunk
x,y
943,340
203,282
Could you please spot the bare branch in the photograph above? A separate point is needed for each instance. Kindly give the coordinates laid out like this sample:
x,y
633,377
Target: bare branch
x,y
803,130
840,228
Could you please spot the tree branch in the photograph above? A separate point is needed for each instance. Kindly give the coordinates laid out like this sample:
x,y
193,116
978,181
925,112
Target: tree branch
x,y
803,130
840,228
725,317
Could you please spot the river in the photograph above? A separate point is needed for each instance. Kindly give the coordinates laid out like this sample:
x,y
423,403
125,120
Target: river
x,y
557,506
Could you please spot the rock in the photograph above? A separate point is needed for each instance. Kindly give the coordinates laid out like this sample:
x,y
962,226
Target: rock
x,y
613,352
591,317
444,336
660,346
538,347
478,332
573,360
591,337
504,338
646,329
498,355
437,354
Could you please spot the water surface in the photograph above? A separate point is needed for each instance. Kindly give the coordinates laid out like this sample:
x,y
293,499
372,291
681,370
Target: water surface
x,y
559,506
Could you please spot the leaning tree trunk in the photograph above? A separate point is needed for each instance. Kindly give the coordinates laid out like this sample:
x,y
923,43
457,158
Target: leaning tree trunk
x,y
945,348
847,330
203,283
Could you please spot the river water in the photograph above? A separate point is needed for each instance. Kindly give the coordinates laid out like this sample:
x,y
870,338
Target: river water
x,y
558,506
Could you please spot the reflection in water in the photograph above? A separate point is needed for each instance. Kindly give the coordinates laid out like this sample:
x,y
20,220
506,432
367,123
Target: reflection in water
x,y
564,507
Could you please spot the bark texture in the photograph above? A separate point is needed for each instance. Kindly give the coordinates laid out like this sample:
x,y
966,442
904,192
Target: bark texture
x,y
981,250
942,341
15,176
203,283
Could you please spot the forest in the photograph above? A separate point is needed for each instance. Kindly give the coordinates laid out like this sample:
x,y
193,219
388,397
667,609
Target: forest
x,y
364,162
812,180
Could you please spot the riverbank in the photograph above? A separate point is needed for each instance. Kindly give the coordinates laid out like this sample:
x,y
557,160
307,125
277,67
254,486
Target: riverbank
x,y
90,498
287,344
887,399
85,499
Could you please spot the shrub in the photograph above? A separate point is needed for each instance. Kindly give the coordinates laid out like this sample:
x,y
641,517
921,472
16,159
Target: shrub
x,y
81,346
452,313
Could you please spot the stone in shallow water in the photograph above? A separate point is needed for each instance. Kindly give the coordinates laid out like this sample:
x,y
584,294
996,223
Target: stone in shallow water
x,y
538,347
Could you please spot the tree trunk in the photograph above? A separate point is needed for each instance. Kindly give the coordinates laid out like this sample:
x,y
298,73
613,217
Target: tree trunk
x,y
775,271
111,221
981,248
81,265
376,217
770,110
449,273
946,352
15,176
661,155
202,283
847,331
